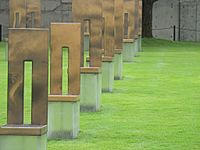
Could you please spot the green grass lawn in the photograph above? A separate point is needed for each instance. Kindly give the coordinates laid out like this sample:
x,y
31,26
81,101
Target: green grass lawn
x,y
155,107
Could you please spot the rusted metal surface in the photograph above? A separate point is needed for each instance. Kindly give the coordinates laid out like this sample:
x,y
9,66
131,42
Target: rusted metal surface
x,y
109,24
24,13
129,19
119,30
140,17
91,11
65,35
28,45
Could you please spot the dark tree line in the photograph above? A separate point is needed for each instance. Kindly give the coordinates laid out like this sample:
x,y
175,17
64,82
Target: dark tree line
x,y
147,17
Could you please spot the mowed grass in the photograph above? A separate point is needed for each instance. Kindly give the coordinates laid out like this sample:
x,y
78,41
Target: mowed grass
x,y
155,107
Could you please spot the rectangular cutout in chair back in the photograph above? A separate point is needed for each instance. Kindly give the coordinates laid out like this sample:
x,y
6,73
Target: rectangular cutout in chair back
x,y
27,91
32,19
17,20
1,32
65,74
126,20
87,26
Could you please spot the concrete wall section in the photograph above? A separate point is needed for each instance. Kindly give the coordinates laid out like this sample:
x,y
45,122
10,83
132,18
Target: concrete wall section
x,y
190,20
166,14
55,11
165,17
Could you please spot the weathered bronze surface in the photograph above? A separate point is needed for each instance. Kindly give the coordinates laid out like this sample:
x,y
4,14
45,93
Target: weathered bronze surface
x,y
17,10
28,45
29,130
91,70
91,11
104,58
118,51
128,40
64,98
33,14
129,19
119,30
65,35
24,13
140,17
107,59
109,24
136,18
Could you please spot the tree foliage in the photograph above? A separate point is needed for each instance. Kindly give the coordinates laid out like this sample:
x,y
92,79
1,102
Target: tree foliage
x,y
147,17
